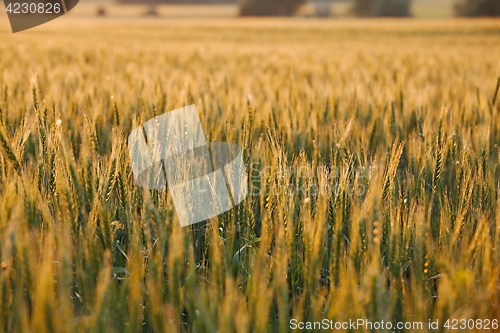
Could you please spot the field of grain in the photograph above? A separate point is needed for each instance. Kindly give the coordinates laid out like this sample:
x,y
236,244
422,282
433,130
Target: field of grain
x,y
372,149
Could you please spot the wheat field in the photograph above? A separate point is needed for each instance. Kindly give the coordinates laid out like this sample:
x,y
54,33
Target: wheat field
x,y
372,150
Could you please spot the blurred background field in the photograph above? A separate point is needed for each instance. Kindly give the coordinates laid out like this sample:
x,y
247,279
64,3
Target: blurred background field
x,y
404,111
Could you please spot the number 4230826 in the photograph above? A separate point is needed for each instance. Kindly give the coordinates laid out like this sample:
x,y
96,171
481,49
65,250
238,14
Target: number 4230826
x,y
33,8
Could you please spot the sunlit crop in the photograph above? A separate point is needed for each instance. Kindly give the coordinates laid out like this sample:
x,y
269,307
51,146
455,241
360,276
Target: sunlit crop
x,y
372,150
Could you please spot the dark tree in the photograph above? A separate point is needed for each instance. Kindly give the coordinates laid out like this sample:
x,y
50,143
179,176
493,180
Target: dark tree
x,y
382,8
269,7
393,8
478,8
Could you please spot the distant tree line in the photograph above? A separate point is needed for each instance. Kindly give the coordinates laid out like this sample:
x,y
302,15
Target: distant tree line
x,y
401,8
269,7
369,8
478,8
361,8
388,8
